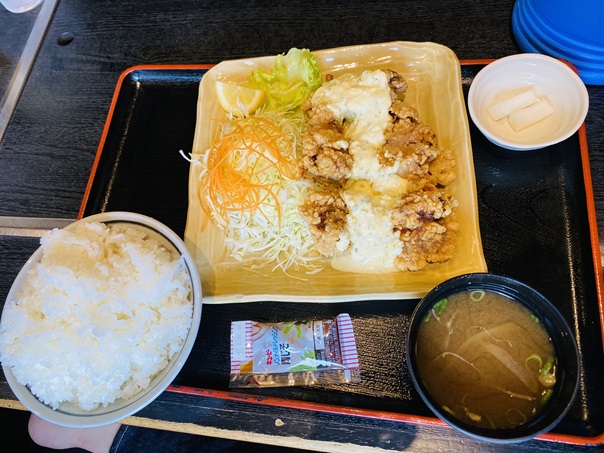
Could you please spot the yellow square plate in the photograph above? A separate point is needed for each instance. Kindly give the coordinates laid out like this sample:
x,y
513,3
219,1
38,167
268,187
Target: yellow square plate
x,y
433,74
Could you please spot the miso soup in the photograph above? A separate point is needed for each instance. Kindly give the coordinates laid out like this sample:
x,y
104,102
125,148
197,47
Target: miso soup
x,y
486,359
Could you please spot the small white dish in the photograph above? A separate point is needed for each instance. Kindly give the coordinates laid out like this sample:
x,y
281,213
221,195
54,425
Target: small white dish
x,y
71,416
550,79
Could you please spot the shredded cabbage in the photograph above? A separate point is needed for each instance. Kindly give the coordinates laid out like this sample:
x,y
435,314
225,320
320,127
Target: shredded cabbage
x,y
290,244
276,233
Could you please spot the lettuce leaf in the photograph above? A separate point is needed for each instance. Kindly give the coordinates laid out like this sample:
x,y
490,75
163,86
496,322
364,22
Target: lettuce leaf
x,y
295,76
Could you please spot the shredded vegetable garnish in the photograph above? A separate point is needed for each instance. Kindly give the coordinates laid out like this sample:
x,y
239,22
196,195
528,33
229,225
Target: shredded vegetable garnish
x,y
249,188
245,169
290,244
248,178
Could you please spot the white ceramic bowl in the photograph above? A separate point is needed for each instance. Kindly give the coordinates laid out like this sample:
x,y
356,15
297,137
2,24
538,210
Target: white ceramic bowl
x,y
550,79
71,416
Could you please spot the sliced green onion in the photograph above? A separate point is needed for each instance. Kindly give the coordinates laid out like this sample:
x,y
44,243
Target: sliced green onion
x,y
450,411
536,357
441,305
491,422
509,417
545,396
477,295
547,367
534,318
472,416
547,374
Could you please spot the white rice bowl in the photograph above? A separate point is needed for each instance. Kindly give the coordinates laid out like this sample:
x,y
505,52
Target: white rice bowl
x,y
100,320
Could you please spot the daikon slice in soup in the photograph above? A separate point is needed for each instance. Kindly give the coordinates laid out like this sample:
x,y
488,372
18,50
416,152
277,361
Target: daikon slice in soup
x,y
486,359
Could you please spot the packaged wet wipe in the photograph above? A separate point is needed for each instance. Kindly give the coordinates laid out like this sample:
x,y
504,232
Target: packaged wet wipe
x,y
293,353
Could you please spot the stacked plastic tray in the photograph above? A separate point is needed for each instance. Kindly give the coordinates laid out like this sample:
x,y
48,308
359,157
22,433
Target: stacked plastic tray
x,y
570,30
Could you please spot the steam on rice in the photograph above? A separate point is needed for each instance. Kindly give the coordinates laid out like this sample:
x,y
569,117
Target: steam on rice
x,y
98,317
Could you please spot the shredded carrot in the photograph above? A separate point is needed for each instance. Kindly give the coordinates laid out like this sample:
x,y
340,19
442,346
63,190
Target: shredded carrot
x,y
246,168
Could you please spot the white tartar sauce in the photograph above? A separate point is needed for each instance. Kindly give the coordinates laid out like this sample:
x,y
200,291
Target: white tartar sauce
x,y
362,104
374,245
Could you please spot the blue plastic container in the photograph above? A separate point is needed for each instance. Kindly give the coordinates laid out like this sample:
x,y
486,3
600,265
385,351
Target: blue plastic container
x,y
571,30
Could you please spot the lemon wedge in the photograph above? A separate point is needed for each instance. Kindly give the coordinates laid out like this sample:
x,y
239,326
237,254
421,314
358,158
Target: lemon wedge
x,y
238,100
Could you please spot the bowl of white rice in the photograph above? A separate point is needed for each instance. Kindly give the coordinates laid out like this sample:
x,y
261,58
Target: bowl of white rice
x,y
100,319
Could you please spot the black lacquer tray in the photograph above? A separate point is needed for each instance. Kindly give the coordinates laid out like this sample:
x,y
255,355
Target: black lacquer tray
x,y
537,222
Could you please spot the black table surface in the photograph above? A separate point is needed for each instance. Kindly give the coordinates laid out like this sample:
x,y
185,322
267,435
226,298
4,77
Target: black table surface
x,y
49,147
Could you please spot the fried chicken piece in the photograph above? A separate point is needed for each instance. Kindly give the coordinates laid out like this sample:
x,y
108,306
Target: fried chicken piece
x,y
417,183
408,126
397,84
325,211
428,228
408,141
442,168
324,148
415,147
415,159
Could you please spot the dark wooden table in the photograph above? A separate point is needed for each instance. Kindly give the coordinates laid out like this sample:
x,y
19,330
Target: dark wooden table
x,y
49,146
